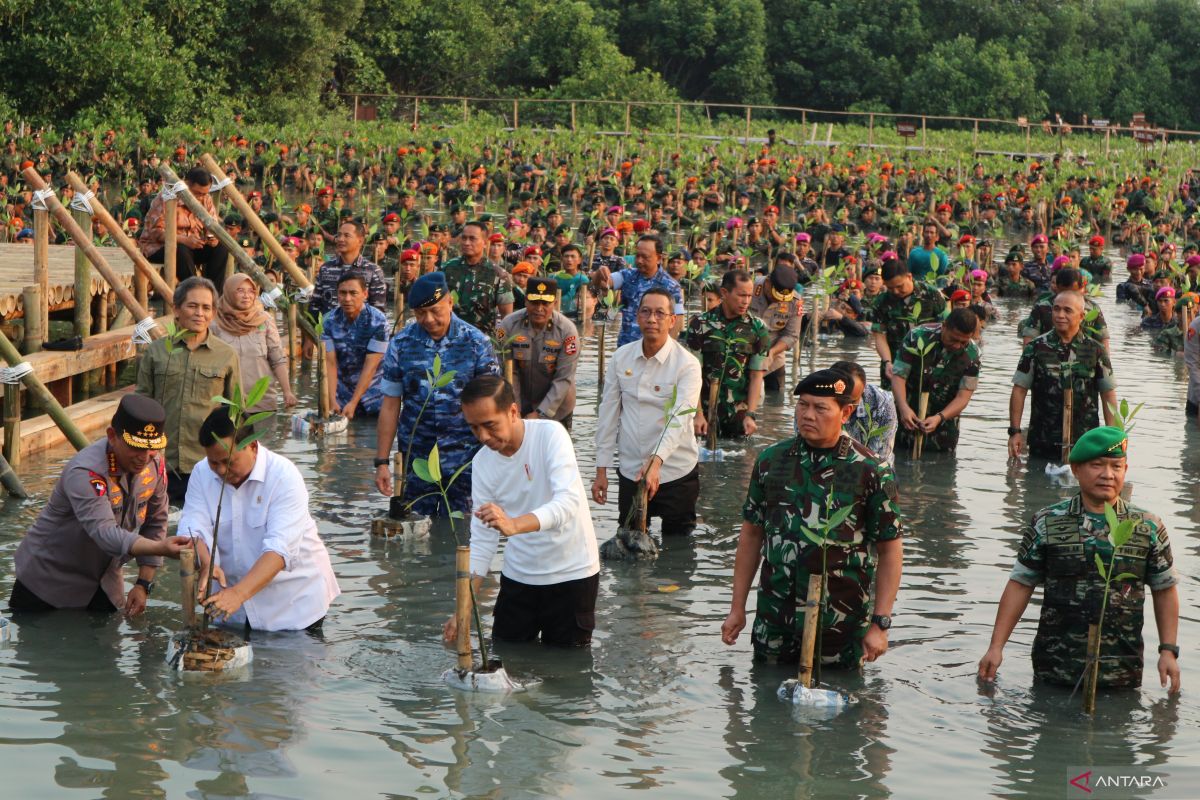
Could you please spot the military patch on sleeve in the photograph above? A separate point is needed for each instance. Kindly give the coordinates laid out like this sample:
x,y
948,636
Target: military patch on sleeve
x,y
758,289
99,484
570,346
1191,332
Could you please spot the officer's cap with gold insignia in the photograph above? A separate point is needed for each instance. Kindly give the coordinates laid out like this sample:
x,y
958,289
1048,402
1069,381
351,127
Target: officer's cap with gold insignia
x,y
543,290
825,383
140,421
1103,442
427,290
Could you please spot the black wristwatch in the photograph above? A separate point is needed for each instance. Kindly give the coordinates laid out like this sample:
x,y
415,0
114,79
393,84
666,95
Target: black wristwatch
x,y
149,587
382,462
1013,431
882,620
1173,649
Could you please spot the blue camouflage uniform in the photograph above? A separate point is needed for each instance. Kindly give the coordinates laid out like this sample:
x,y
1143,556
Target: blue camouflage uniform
x,y
633,284
351,341
468,353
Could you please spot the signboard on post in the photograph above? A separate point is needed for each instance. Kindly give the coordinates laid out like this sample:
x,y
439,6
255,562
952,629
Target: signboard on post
x,y
906,129
1145,135
1099,123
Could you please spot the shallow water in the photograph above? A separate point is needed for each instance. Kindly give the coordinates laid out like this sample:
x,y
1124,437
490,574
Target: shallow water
x,y
88,709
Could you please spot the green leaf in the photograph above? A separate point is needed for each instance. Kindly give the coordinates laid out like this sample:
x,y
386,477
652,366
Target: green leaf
x,y
436,370
1122,533
1110,516
1125,576
254,419
435,465
812,535
258,391
1100,566
456,515
218,400
457,472
444,380
420,467
254,437
838,517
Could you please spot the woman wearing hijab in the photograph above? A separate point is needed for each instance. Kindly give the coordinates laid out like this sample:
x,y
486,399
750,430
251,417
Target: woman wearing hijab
x,y
243,324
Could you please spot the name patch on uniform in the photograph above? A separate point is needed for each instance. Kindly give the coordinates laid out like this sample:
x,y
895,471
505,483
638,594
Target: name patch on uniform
x,y
570,346
99,484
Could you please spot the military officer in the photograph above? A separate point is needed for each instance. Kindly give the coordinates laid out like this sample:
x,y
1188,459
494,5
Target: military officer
x,y
1062,358
906,305
1095,261
943,360
545,351
732,345
1040,316
781,309
1061,547
431,414
635,281
482,289
109,505
796,488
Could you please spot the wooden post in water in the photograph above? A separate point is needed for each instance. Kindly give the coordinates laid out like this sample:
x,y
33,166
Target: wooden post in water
x,y
10,481
187,582
1091,675
462,605
919,440
41,267
600,361
34,300
12,424
1068,423
38,391
171,241
808,639
713,387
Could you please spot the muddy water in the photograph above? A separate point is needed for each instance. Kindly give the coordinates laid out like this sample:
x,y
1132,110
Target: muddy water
x,y
658,703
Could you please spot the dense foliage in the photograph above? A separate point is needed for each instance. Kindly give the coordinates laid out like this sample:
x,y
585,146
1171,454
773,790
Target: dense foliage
x,y
177,60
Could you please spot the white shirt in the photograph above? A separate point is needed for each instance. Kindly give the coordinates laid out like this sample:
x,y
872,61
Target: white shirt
x,y
268,513
541,478
632,410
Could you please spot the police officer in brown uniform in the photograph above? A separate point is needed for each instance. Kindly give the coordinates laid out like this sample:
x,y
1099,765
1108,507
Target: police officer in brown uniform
x,y
545,349
109,505
781,309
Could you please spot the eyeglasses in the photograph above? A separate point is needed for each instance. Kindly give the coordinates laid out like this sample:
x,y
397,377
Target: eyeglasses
x,y
651,313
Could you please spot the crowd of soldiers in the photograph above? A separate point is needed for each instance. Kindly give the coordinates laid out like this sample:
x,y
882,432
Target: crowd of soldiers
x,y
504,254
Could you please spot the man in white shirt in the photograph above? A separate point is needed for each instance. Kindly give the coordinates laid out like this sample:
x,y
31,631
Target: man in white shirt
x,y
272,567
526,487
642,378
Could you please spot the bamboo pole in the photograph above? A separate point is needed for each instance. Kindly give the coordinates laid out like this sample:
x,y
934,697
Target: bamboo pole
x,y
922,410
808,639
164,288
714,385
323,405
41,266
462,606
12,424
83,278
34,301
187,581
600,361
38,391
10,481
84,241
1091,674
244,261
268,239
171,240
1068,422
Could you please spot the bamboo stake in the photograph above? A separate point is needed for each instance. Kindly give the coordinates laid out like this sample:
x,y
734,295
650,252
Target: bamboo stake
x,y
171,240
919,440
462,607
714,385
42,395
10,481
323,405
164,288
600,361
84,240
1068,423
41,267
12,424
808,639
1091,675
83,278
187,580
264,233
34,301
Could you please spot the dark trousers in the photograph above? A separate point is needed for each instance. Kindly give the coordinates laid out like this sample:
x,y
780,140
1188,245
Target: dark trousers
x,y
1190,409
208,261
177,483
773,381
674,502
563,613
22,599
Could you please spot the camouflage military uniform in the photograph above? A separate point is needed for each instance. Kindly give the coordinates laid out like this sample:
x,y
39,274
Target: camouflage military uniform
x,y
1041,370
728,350
479,291
793,483
351,341
1099,266
945,373
893,316
1060,547
1041,319
1169,340
1007,287
467,353
783,320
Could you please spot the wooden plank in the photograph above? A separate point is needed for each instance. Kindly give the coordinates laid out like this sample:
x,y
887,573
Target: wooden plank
x,y
93,416
17,272
98,351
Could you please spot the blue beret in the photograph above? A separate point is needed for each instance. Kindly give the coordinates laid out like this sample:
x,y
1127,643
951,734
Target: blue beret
x,y
427,290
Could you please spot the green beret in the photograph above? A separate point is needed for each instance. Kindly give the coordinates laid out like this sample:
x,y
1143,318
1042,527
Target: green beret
x,y
1103,442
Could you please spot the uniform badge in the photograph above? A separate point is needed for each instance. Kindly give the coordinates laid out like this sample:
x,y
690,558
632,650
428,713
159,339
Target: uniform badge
x,y
99,484
1191,332
758,290
570,346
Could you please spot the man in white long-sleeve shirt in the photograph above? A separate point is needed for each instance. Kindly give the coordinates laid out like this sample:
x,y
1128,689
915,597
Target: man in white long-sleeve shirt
x,y
526,487
272,568
642,378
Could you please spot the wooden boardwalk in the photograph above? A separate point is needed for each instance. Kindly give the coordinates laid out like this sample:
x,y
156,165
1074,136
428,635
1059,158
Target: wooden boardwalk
x,y
16,272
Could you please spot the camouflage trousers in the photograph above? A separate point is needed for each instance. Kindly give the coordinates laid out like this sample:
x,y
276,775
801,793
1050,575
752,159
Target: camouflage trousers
x,y
778,629
944,439
1060,653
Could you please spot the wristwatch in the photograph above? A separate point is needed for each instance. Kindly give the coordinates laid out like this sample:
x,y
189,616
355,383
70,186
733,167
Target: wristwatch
x,y
149,587
1173,649
1013,431
882,620
750,414
382,462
